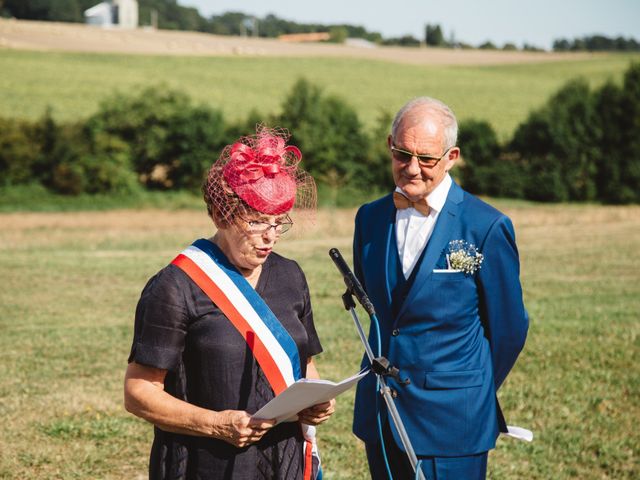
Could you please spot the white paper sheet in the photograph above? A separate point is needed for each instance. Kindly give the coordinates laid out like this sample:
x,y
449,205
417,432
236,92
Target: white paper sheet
x,y
305,393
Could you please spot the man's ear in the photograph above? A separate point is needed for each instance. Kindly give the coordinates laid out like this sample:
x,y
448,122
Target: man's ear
x,y
452,158
389,141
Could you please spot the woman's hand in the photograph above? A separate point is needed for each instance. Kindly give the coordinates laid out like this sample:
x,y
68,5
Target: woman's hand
x,y
318,413
322,411
239,429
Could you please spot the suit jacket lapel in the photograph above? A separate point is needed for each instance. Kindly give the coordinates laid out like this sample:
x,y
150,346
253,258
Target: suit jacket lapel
x,y
440,237
381,234
388,245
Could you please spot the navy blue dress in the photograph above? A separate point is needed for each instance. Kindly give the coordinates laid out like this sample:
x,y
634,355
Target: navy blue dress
x,y
208,363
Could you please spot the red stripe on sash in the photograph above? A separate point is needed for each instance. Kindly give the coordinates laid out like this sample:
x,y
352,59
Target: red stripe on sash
x,y
260,352
308,462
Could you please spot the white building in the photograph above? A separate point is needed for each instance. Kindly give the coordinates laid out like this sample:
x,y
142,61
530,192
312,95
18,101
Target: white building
x,y
113,13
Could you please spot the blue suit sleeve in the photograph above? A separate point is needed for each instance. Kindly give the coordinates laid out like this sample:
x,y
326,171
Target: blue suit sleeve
x,y
502,309
357,251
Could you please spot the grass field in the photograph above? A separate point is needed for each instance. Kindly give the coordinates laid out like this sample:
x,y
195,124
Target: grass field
x,y
71,282
74,83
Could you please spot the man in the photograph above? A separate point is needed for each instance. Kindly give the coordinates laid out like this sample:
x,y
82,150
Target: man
x,y
441,268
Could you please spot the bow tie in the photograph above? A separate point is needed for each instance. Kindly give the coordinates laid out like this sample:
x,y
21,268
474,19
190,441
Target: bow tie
x,y
401,202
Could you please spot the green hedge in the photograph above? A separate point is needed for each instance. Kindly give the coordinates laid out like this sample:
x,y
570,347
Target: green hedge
x,y
158,139
582,145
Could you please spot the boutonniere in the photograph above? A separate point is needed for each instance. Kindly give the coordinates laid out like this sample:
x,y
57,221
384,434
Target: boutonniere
x,y
464,256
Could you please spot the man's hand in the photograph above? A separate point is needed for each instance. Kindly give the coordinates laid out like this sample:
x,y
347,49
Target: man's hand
x,y
318,413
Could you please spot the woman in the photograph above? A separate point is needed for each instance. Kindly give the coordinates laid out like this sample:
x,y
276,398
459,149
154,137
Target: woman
x,y
228,325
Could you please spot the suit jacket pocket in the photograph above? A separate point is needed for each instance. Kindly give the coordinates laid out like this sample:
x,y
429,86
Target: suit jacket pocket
x,y
449,276
452,380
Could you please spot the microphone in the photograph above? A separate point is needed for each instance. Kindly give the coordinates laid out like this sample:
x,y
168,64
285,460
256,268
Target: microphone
x,y
353,285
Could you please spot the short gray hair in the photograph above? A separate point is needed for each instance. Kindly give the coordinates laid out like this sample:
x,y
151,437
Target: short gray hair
x,y
448,118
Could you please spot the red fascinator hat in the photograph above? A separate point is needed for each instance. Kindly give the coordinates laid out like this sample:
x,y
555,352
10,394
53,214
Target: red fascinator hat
x,y
263,172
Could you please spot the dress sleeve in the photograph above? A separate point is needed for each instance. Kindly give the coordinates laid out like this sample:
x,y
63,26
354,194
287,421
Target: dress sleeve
x,y
313,346
161,321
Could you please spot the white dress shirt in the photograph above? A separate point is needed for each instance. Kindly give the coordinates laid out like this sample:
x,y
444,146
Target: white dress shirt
x,y
413,229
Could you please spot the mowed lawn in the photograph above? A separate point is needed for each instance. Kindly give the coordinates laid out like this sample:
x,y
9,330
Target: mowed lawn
x,y
73,84
70,282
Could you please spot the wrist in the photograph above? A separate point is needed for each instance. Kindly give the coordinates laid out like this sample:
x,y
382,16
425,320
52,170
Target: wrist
x,y
213,424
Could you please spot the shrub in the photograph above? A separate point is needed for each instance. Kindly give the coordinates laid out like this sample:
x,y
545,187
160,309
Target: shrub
x,y
558,143
248,126
172,142
486,169
18,154
329,134
584,145
30,152
379,157
97,164
338,34
618,164
479,149
609,108
56,144
194,142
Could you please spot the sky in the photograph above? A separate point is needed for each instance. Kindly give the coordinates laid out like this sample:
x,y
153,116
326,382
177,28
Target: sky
x,y
536,22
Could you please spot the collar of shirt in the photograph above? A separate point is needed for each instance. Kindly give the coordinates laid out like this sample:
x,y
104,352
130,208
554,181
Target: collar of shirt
x,y
435,199
413,229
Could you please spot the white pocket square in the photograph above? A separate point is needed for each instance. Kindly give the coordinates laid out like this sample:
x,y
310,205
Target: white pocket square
x,y
519,433
445,270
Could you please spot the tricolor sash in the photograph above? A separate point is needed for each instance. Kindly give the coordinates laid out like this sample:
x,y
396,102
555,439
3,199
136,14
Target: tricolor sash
x,y
272,346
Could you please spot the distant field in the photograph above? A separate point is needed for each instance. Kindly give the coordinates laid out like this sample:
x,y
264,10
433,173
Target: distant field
x,y
71,282
74,83
76,37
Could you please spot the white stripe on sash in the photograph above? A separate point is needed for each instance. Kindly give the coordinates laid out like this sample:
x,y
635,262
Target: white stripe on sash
x,y
239,301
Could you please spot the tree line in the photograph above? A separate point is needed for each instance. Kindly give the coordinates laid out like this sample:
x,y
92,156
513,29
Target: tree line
x,y
597,43
171,15
434,36
582,145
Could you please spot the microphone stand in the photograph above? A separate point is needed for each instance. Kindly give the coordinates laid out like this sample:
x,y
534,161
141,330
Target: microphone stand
x,y
380,365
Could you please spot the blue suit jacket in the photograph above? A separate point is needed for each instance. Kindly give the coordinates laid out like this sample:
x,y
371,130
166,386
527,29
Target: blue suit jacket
x,y
455,336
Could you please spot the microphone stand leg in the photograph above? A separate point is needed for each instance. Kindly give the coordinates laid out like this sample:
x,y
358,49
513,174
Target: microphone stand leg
x,y
397,421
388,399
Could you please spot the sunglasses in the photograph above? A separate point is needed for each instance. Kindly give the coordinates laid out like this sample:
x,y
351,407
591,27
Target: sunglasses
x,y
424,160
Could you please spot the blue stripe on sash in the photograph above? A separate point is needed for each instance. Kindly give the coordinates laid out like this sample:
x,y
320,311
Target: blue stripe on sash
x,y
258,304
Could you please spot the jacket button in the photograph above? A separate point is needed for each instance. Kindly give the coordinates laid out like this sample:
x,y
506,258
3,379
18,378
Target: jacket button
x,y
395,332
394,393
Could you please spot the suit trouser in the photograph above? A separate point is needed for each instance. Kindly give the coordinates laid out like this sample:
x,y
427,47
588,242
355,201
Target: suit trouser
x,y
473,467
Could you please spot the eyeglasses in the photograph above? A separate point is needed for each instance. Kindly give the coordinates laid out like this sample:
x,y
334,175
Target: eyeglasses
x,y
255,227
424,160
